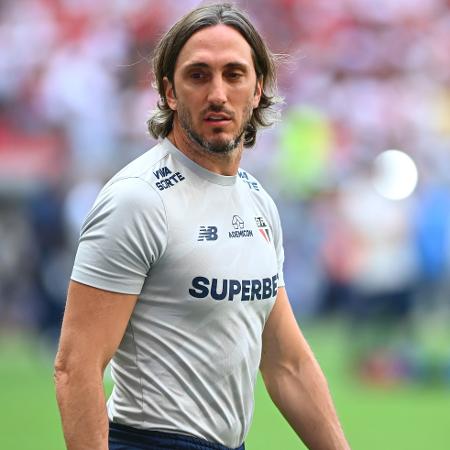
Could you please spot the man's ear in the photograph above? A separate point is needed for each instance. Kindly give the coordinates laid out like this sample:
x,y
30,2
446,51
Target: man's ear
x,y
169,90
258,92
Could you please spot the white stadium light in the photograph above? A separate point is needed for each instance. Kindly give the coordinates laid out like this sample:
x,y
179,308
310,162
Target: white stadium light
x,y
396,175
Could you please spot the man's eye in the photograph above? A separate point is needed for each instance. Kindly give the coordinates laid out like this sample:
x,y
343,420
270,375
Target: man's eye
x,y
197,75
234,75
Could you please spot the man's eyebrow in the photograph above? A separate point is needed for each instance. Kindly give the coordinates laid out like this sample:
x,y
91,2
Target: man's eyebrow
x,y
237,65
203,65
195,65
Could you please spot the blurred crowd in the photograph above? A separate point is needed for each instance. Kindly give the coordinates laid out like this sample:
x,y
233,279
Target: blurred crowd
x,y
358,77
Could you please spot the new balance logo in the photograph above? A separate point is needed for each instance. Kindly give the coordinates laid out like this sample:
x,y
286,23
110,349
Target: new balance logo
x,y
208,233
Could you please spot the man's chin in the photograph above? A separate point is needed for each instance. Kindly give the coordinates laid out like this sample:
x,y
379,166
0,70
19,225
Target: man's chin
x,y
215,144
222,146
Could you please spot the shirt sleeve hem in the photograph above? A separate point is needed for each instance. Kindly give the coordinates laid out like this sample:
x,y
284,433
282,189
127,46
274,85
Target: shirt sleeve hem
x,y
106,285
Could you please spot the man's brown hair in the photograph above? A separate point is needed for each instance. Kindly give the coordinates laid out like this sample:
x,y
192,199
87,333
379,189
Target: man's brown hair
x,y
167,50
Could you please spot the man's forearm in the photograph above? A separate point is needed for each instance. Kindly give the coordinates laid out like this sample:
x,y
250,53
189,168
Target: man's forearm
x,y
302,396
81,402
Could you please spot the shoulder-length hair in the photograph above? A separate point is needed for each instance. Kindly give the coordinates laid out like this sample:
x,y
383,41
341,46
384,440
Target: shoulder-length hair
x,y
167,51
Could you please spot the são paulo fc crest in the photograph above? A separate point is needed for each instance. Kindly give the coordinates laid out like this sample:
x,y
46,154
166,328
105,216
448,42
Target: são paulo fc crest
x,y
263,228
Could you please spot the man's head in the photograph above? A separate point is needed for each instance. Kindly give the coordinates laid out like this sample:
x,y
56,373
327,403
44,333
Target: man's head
x,y
216,79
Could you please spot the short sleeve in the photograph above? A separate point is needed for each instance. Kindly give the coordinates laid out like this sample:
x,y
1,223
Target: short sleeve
x,y
124,234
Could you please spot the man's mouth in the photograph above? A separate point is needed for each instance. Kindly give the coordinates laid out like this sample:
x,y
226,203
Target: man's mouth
x,y
217,118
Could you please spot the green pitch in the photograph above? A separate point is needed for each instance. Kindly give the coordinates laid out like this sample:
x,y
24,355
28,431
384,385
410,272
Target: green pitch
x,y
397,418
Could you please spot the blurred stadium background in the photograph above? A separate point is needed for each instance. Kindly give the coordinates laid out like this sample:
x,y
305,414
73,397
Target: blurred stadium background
x,y
366,231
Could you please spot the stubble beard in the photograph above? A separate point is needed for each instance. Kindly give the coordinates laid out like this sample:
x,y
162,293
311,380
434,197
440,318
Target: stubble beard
x,y
219,146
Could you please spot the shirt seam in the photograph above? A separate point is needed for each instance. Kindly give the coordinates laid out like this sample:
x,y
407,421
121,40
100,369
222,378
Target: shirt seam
x,y
139,177
141,382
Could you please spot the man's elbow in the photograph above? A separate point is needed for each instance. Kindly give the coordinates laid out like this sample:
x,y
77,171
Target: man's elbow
x,y
68,367
277,373
289,370
60,371
287,366
72,367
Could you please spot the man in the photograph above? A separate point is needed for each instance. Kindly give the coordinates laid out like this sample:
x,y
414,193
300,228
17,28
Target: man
x,y
178,275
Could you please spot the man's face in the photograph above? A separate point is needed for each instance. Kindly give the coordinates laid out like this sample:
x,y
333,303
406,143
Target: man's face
x,y
215,89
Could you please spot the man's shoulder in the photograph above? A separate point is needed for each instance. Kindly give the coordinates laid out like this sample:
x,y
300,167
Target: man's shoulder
x,y
259,194
254,185
143,166
159,168
131,186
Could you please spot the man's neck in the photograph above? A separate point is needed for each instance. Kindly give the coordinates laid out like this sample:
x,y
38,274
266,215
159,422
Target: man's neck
x,y
220,163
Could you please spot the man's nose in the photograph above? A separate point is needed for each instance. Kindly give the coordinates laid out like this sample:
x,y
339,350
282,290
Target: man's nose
x,y
217,91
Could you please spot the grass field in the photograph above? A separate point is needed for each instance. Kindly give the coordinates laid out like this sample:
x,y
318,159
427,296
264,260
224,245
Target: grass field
x,y
395,418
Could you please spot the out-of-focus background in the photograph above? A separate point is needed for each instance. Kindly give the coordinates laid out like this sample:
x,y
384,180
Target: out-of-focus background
x,y
359,167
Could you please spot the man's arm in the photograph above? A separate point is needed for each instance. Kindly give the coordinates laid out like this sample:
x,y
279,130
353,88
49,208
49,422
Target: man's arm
x,y
93,326
295,381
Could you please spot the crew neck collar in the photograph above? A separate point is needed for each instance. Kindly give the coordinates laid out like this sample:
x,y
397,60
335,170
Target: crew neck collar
x,y
223,180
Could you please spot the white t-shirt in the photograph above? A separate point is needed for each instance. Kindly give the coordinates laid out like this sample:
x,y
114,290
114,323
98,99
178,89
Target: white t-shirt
x,y
204,254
